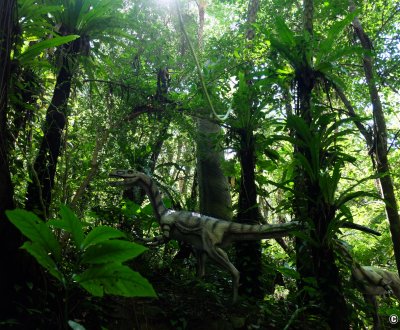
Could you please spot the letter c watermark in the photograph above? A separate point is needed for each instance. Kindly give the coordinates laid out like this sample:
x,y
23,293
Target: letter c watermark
x,y
393,319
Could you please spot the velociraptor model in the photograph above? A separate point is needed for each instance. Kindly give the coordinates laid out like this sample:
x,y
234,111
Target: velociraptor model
x,y
207,235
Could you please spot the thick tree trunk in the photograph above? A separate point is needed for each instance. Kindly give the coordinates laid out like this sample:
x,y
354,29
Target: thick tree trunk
x,y
317,216
44,169
380,148
314,212
11,238
215,199
213,186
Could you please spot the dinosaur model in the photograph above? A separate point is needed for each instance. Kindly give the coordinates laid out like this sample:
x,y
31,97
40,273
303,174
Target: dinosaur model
x,y
207,235
372,282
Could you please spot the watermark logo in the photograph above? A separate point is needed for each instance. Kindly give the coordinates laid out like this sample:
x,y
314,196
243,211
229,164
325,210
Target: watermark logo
x,y
393,319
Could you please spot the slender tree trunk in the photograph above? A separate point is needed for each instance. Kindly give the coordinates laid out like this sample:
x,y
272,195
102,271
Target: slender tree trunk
x,y
11,239
101,140
248,254
44,169
214,192
380,148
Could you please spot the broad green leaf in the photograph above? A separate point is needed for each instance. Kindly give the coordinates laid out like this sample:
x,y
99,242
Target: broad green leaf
x,y
344,198
112,251
101,234
115,279
73,223
289,272
33,51
271,154
299,125
345,212
36,230
341,52
76,326
285,35
286,51
70,223
302,160
326,45
42,257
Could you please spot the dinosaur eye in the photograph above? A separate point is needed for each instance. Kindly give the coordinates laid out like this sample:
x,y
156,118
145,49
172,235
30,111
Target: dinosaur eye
x,y
130,172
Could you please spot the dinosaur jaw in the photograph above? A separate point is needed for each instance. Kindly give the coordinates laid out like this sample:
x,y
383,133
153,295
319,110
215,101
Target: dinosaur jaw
x,y
128,177
123,174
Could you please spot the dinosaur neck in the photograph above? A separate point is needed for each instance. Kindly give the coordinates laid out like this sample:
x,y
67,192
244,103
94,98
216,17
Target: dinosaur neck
x,y
154,195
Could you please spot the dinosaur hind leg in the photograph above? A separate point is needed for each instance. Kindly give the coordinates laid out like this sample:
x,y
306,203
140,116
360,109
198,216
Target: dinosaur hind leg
x,y
373,309
221,258
201,262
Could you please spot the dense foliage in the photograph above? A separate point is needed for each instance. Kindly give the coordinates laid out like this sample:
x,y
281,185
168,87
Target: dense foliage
x,y
294,102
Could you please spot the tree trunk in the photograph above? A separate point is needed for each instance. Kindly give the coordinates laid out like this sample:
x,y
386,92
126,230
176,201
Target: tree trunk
x,y
248,254
311,210
101,140
44,169
214,193
10,237
379,148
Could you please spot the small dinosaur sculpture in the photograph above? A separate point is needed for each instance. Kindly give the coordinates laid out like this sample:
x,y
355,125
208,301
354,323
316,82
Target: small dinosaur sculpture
x,y
373,281
207,235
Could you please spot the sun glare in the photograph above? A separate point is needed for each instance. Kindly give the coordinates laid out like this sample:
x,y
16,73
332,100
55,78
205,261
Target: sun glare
x,y
164,3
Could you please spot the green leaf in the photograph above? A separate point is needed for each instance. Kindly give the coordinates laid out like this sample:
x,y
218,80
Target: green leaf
x,y
70,223
76,326
115,279
42,257
272,154
33,51
286,51
112,251
36,230
303,162
300,126
334,32
289,272
286,35
344,198
101,234
75,226
339,53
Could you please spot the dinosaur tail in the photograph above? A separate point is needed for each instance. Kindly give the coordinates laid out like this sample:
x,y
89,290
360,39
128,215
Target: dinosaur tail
x,y
244,232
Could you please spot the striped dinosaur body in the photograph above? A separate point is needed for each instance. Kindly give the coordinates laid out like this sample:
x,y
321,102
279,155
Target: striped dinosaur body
x,y
372,282
207,235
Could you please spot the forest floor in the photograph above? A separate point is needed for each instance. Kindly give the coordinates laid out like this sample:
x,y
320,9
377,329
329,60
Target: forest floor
x,y
185,302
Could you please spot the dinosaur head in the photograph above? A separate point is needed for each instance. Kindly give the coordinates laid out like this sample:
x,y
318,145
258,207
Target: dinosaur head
x,y
129,177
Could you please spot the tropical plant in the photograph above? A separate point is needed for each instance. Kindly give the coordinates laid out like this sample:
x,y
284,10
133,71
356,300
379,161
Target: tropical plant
x,y
93,260
92,21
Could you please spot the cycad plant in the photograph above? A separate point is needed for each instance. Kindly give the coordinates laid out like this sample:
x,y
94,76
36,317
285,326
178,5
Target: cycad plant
x,y
90,20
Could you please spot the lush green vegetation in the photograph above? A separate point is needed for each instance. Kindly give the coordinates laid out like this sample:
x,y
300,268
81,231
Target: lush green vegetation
x,y
250,111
